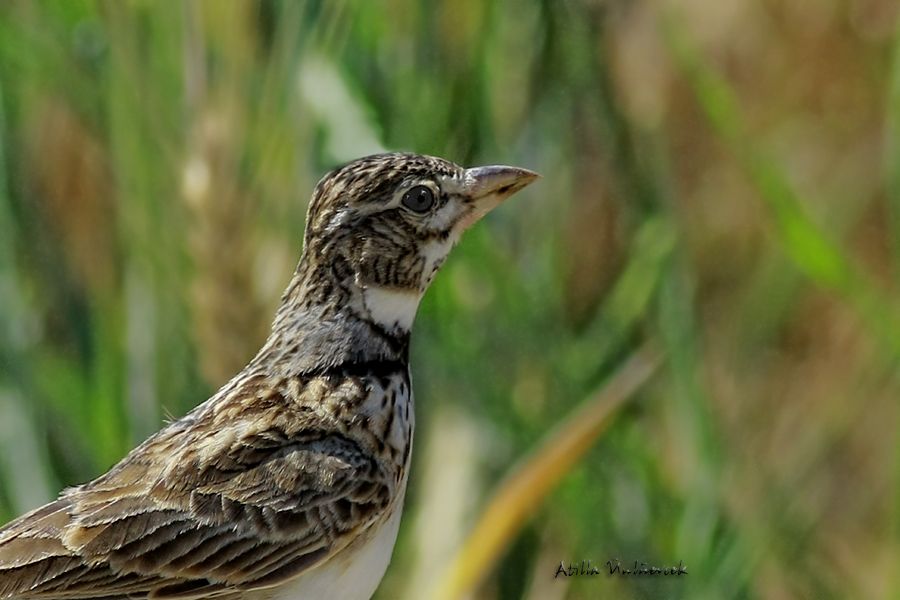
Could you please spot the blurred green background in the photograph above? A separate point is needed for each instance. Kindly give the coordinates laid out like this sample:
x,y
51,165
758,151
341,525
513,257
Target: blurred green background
x,y
721,181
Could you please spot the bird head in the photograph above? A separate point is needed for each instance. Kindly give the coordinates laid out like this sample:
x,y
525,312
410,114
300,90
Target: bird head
x,y
379,228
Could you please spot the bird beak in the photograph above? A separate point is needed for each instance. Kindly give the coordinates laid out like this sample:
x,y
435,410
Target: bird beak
x,y
496,180
487,187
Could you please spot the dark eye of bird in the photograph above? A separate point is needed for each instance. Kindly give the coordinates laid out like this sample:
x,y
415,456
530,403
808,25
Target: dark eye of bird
x,y
419,199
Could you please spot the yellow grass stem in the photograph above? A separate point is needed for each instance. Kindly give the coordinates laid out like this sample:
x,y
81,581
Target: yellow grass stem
x,y
530,482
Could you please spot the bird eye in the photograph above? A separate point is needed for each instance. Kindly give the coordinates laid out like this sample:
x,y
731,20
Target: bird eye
x,y
419,199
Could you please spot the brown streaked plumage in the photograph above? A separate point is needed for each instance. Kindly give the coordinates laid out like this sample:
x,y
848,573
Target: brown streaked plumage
x,y
289,481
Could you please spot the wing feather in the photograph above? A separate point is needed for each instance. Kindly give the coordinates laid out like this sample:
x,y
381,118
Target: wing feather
x,y
200,511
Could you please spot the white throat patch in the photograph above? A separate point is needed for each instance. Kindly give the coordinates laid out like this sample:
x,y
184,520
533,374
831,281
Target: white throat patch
x,y
392,308
434,254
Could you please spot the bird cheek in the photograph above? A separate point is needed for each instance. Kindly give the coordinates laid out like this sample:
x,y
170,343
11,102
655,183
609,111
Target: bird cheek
x,y
447,215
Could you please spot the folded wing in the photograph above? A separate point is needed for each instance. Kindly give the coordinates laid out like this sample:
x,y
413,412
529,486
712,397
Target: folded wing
x,y
243,507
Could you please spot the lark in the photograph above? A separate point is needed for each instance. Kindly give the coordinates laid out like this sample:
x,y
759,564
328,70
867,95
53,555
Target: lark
x,y
289,482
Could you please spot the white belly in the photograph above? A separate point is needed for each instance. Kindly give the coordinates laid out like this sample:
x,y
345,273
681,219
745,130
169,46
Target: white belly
x,y
352,575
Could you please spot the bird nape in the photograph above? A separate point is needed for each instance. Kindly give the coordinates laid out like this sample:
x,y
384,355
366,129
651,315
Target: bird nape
x,y
289,481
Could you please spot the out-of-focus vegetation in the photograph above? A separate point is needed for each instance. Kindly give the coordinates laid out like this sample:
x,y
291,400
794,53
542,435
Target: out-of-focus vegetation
x,y
721,180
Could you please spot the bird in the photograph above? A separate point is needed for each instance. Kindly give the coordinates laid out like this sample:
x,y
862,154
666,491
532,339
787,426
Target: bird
x,y
289,482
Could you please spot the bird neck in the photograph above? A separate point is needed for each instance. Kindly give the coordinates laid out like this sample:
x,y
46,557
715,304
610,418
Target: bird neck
x,y
327,321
